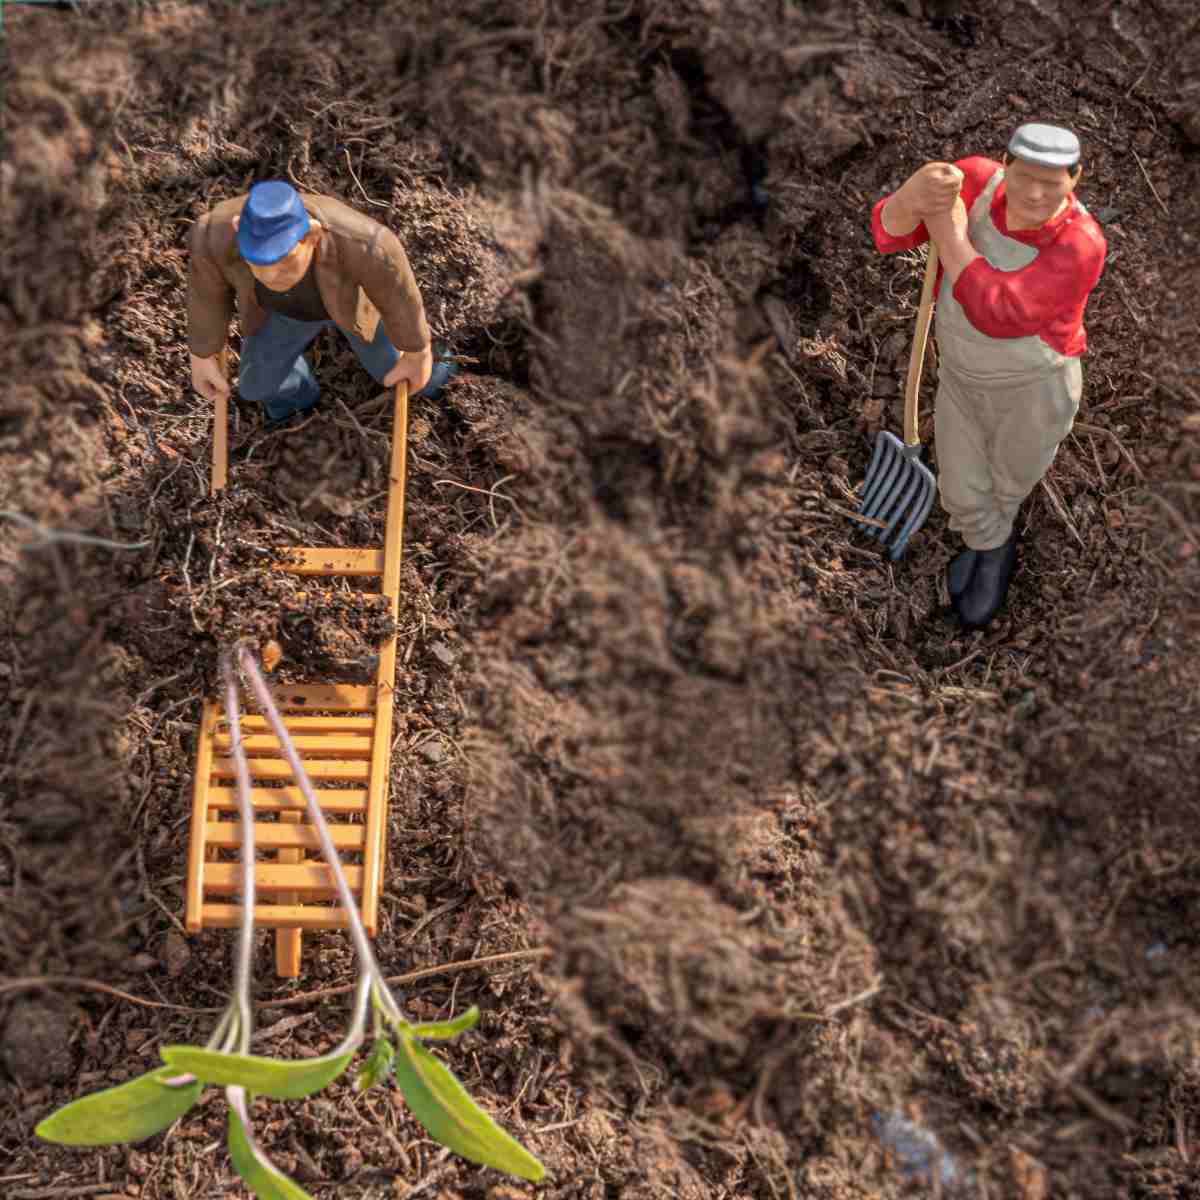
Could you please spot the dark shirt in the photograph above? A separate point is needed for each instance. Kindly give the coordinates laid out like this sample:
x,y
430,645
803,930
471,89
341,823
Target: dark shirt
x,y
302,301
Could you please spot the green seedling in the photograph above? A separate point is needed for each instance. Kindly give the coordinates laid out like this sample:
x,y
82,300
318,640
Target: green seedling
x,y
443,1106
377,1067
444,1030
148,1105
432,1093
263,1178
131,1112
264,1076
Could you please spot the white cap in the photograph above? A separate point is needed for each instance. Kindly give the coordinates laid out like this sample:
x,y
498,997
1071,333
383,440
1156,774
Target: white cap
x,y
1045,146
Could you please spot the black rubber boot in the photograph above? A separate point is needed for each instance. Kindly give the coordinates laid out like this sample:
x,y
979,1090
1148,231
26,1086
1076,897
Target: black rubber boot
x,y
441,375
961,570
989,585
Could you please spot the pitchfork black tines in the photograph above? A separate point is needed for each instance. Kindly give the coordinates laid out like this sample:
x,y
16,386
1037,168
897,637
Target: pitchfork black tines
x,y
898,492
899,488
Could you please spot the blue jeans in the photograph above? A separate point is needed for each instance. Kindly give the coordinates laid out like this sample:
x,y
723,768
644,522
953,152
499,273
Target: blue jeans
x,y
274,371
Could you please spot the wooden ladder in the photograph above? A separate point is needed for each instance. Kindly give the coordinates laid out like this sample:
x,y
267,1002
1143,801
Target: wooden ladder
x,y
342,733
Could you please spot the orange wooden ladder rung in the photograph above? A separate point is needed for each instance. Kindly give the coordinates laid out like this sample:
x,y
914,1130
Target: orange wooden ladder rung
x,y
342,733
312,560
336,745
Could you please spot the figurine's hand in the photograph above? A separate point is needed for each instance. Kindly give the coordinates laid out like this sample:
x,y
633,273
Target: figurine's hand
x,y
208,377
950,226
414,366
932,188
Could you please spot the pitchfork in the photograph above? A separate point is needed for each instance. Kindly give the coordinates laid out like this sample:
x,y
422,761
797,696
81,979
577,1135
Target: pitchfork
x,y
899,487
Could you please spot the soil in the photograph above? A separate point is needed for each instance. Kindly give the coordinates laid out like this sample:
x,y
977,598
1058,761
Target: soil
x,y
788,861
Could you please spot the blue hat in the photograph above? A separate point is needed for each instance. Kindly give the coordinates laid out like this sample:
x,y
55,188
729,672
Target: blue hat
x,y
273,220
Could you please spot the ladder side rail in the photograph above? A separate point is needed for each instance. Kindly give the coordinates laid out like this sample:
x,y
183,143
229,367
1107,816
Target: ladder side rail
x,y
385,679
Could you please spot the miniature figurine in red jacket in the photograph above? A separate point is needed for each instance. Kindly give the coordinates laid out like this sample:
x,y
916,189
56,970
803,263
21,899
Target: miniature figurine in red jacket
x,y
1019,256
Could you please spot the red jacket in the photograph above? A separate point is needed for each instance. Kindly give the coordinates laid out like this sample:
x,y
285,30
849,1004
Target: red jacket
x,y
1046,298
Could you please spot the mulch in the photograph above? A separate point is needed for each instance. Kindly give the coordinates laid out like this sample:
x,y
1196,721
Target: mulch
x,y
789,853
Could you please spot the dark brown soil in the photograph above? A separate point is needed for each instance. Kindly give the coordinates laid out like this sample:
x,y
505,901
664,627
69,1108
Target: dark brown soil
x,y
800,862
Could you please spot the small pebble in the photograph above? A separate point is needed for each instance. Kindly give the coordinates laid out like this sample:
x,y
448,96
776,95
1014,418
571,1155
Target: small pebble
x,y
434,751
919,1152
175,953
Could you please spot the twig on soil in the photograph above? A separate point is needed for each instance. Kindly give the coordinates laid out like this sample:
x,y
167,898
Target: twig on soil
x,y
1100,471
866,994
60,535
167,912
486,492
163,481
412,976
187,581
1100,431
754,1100
216,550
1058,506
431,1177
440,911
292,177
1150,185
1138,319
274,433
22,720
776,1158
34,982
556,1126
845,512
931,60
83,1189
1177,518
1098,1107
353,421
940,672
362,190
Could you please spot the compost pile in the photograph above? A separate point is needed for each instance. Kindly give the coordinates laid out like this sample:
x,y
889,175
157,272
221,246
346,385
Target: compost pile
x,y
788,863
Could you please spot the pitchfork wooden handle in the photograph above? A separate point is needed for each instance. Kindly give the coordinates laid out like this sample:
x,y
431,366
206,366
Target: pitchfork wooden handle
x,y
920,340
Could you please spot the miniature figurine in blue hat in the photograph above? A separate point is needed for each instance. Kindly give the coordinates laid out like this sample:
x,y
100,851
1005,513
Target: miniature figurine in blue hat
x,y
297,263
1019,256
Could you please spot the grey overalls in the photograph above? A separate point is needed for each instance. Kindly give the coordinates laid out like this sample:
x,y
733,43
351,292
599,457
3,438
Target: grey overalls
x,y
1003,404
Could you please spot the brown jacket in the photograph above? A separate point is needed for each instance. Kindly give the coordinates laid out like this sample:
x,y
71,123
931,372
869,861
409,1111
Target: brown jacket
x,y
362,274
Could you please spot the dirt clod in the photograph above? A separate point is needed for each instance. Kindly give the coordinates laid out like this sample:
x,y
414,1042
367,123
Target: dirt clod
x,y
35,1046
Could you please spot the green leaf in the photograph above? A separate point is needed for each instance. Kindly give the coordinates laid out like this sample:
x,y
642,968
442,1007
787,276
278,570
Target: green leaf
x,y
447,1029
377,1066
452,1118
272,1077
262,1176
131,1112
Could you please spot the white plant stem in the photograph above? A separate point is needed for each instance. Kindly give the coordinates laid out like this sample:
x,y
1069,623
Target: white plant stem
x,y
245,946
225,1030
358,933
358,1015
